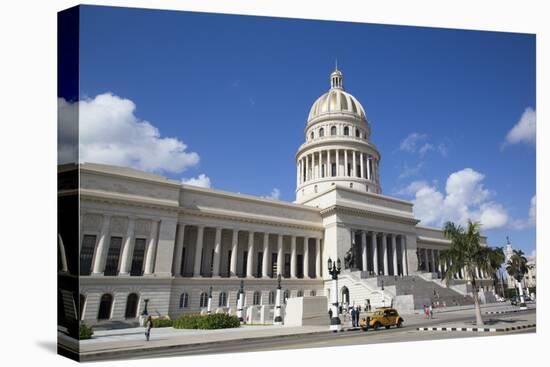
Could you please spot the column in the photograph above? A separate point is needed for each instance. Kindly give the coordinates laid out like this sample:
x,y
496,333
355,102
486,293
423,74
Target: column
x,y
128,249
317,258
234,251
177,270
439,266
364,250
280,254
198,252
293,256
319,167
101,252
345,162
250,255
306,257
368,168
433,260
337,163
394,253
362,165
404,255
354,168
217,252
385,253
374,252
265,258
329,165
151,249
307,167
298,173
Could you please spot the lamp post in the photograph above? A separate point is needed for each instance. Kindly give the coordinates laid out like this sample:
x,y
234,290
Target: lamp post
x,y
334,269
145,313
209,307
278,319
240,303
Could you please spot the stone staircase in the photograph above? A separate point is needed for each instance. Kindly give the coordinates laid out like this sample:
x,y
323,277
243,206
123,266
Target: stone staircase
x,y
407,293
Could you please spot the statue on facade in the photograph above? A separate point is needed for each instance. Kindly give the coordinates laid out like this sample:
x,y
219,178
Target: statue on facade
x,y
349,259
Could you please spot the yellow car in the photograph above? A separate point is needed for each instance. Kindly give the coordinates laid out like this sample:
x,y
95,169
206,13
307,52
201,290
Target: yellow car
x,y
381,317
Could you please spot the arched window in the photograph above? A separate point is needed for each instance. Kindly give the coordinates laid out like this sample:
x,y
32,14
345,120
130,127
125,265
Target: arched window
x,y
204,300
256,298
286,295
223,300
333,130
184,300
312,293
271,298
312,135
321,132
357,133
131,306
300,293
105,306
346,131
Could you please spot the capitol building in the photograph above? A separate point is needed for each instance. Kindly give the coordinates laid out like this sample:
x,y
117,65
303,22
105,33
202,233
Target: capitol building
x,y
147,237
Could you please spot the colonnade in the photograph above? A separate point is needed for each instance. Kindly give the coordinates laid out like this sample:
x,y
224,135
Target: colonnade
x,y
382,253
430,262
336,163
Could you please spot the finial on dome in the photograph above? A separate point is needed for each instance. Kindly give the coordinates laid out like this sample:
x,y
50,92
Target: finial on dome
x,y
336,77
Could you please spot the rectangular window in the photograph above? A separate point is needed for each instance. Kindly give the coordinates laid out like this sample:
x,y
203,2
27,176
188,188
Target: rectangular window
x,y
137,257
287,266
182,264
87,254
273,264
113,256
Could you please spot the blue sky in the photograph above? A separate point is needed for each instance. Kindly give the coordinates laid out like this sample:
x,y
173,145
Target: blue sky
x,y
231,94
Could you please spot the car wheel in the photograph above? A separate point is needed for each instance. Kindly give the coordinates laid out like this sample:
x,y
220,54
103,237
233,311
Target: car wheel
x,y
387,326
376,326
400,323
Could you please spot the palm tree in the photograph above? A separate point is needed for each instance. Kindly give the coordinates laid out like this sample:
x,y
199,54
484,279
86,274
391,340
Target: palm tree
x,y
467,253
517,268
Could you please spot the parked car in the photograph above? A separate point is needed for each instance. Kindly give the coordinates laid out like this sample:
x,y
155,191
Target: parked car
x,y
385,316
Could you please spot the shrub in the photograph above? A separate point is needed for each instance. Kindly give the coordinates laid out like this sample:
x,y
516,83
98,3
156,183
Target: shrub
x,y
162,323
85,332
215,321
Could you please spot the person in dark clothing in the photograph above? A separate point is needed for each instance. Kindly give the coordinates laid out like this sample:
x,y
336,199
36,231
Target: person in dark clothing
x,y
353,314
357,314
148,327
330,314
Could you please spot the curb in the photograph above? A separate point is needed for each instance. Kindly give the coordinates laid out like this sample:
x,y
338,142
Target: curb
x,y
476,329
501,312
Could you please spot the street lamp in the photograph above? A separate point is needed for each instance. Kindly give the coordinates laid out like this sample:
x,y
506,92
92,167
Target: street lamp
x,y
382,280
334,269
145,313
240,303
278,319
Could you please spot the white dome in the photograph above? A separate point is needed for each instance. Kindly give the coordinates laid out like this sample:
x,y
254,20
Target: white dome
x,y
336,100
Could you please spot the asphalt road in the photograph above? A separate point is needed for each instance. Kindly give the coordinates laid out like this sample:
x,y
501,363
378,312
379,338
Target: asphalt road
x,y
328,339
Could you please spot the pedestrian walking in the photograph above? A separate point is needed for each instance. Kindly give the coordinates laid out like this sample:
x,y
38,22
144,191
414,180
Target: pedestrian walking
x,y
357,314
431,310
330,313
368,305
148,327
426,312
353,313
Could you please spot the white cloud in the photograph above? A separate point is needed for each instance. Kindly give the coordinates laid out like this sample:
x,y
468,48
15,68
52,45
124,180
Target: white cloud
x,y
465,198
524,131
409,144
411,171
110,133
201,181
275,194
425,148
520,224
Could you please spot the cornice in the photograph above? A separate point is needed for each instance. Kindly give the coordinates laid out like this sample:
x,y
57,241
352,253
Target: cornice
x,y
337,209
134,200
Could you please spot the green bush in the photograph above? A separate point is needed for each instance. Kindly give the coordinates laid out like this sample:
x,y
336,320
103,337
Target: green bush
x,y
215,321
85,332
162,323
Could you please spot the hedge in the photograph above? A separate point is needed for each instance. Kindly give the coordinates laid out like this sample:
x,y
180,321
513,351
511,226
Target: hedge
x,y
215,321
85,331
162,323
